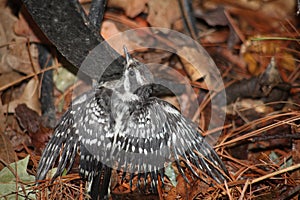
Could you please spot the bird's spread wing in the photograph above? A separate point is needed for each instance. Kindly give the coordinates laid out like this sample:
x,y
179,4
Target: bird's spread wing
x,y
64,138
155,133
152,133
74,132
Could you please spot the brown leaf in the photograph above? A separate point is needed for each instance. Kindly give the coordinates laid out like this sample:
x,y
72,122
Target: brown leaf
x,y
9,77
28,119
252,5
287,61
215,37
30,97
6,150
18,57
190,69
3,4
32,123
27,28
161,15
132,8
252,52
7,20
252,64
198,64
213,17
172,194
109,29
268,18
182,187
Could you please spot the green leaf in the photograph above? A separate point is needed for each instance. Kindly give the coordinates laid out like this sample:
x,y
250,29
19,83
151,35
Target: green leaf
x,y
170,173
63,79
9,185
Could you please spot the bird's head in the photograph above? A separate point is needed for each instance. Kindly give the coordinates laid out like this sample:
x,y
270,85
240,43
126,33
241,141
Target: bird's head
x,y
136,74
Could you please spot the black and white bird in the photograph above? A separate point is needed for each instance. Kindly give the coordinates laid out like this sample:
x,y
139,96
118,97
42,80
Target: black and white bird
x,y
119,125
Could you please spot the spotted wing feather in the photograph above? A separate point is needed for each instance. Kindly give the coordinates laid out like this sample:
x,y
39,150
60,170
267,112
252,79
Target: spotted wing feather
x,y
73,133
157,132
64,141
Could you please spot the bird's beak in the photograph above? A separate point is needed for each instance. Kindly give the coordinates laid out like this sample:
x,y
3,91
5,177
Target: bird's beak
x,y
128,57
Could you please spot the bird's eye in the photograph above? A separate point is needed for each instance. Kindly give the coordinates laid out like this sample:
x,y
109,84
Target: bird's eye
x,y
131,72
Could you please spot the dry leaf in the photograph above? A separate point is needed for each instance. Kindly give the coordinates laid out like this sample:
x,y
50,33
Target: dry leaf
x,y
9,77
113,36
7,19
252,64
6,150
22,28
246,104
163,13
214,37
213,17
32,123
3,3
287,61
172,194
109,29
270,17
132,8
198,64
246,4
30,97
279,10
18,57
182,187
193,73
252,52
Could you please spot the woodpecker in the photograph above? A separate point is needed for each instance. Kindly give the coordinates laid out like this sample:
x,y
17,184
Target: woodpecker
x,y
120,125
